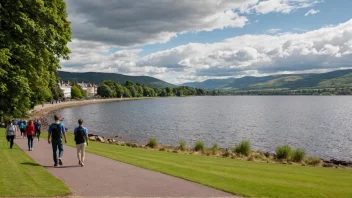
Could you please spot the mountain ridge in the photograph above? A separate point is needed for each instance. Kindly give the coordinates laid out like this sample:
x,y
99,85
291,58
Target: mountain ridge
x,y
97,77
338,78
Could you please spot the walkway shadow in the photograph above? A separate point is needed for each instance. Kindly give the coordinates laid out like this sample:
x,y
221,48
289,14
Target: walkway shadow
x,y
75,166
30,164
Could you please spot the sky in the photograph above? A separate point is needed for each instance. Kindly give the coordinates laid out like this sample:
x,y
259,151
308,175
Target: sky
x,y
182,41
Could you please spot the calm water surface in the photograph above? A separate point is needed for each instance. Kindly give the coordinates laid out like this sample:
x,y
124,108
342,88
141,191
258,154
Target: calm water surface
x,y
321,125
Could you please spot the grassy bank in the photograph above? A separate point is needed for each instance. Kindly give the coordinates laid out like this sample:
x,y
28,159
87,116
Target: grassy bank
x,y
252,179
20,176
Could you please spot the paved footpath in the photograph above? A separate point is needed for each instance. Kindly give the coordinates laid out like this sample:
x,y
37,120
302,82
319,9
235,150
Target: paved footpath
x,y
105,177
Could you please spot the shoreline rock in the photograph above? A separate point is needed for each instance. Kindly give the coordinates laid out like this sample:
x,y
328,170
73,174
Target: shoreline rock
x,y
266,157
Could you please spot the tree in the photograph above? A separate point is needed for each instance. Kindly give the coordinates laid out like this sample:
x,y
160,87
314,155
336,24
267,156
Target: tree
x,y
127,92
105,91
33,38
119,90
133,91
76,92
129,83
169,91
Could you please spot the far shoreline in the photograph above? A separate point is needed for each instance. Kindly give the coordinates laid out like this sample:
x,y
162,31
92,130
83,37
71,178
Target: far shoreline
x,y
42,110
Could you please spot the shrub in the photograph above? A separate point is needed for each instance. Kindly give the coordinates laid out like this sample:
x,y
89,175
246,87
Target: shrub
x,y
259,156
152,143
283,152
298,155
182,145
199,146
162,149
313,161
133,145
128,144
226,153
215,149
244,148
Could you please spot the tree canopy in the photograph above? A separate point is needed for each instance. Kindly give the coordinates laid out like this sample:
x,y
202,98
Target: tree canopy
x,y
114,89
33,38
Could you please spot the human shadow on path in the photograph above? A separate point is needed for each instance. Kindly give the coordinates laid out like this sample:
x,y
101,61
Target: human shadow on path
x,y
74,166
30,164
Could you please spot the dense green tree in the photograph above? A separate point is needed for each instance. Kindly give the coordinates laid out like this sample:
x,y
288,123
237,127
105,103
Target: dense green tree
x,y
133,91
129,83
119,90
105,91
127,92
169,91
33,38
76,92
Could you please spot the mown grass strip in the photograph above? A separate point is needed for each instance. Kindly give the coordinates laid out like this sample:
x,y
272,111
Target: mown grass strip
x,y
21,176
252,179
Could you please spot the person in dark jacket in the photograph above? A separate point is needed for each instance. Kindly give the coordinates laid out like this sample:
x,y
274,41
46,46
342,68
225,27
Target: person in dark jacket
x,y
37,126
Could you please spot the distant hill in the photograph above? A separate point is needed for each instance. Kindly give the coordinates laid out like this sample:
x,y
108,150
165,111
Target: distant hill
x,y
340,78
95,77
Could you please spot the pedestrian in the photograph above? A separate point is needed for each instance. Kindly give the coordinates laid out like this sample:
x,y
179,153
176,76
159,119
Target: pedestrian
x,y
37,126
30,134
81,139
16,123
23,128
56,131
10,133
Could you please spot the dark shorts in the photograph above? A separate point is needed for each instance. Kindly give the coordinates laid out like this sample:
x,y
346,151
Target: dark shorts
x,y
10,137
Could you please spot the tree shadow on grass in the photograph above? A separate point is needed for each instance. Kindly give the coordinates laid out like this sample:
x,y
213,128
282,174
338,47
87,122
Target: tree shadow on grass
x,y
30,164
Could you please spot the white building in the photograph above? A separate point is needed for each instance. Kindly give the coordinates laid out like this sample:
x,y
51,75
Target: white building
x,y
66,88
89,88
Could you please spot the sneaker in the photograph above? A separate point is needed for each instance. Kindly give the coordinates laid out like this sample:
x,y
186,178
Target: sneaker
x,y
79,163
60,161
55,165
82,164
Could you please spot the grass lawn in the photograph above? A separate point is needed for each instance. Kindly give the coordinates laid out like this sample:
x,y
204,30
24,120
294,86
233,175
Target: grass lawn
x,y
20,176
252,179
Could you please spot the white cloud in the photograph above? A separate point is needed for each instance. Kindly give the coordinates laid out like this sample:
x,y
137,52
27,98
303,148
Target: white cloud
x,y
312,12
283,6
324,49
273,31
129,23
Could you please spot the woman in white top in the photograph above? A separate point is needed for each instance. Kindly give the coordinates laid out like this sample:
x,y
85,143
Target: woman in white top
x,y
11,133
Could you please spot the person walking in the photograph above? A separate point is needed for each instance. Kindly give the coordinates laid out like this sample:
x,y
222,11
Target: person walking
x,y
10,133
56,131
37,126
30,134
23,128
81,139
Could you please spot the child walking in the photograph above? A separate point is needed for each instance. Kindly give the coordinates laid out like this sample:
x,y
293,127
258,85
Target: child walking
x,y
81,139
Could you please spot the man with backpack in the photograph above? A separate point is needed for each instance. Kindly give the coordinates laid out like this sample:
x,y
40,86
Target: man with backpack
x,y
22,128
56,131
81,139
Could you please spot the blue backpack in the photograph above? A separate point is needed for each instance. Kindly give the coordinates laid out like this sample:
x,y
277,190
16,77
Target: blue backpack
x,y
22,125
